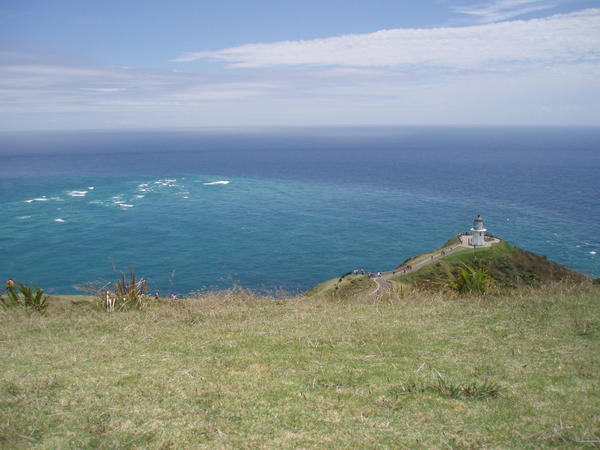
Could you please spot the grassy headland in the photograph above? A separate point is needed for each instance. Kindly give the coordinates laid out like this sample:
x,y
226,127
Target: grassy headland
x,y
229,369
508,265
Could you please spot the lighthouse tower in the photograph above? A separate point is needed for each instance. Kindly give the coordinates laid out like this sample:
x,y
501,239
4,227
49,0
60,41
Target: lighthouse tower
x,y
478,232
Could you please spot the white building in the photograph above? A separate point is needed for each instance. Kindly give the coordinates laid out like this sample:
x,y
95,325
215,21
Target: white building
x,y
478,232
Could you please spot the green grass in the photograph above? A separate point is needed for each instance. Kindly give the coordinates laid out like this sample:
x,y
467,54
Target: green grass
x,y
232,370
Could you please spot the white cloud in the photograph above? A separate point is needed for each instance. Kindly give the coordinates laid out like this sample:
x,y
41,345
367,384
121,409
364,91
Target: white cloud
x,y
498,10
560,38
542,71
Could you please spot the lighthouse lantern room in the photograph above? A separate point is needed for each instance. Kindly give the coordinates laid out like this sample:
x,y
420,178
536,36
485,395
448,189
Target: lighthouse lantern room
x,y
478,232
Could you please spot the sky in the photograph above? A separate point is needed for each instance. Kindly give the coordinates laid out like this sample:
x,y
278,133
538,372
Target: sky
x,y
148,64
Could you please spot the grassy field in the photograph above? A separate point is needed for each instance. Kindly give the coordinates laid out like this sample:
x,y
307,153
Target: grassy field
x,y
232,370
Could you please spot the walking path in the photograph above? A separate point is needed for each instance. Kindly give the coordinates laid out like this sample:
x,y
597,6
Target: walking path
x,y
382,286
381,279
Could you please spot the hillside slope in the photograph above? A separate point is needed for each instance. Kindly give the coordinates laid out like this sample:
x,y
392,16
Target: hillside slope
x,y
508,265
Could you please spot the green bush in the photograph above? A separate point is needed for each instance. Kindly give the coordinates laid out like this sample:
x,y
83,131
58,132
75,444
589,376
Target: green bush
x,y
469,280
25,296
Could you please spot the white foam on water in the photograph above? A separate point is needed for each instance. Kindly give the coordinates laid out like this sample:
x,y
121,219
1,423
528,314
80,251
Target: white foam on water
x,y
77,193
117,200
213,183
139,196
37,199
91,188
59,220
23,217
168,182
592,252
57,199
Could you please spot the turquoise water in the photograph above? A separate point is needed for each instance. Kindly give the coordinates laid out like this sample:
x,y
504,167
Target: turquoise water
x,y
297,208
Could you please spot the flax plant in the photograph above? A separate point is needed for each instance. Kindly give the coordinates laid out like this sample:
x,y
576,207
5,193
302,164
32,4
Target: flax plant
x,y
469,280
127,293
26,296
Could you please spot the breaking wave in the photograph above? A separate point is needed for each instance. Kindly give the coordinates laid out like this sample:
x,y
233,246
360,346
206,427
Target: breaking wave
x,y
77,193
38,199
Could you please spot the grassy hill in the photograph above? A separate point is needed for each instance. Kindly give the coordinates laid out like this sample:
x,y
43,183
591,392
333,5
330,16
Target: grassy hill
x,y
232,370
508,265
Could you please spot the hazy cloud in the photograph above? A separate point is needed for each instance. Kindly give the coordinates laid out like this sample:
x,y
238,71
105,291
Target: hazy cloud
x,y
558,38
498,10
54,87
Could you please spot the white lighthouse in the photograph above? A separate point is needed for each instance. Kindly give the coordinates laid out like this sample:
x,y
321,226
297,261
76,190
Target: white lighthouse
x,y
478,232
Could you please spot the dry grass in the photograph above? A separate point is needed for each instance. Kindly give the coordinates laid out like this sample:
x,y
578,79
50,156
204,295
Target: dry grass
x,y
230,369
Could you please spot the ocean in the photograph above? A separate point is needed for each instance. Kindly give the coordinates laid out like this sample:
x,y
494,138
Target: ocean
x,y
278,210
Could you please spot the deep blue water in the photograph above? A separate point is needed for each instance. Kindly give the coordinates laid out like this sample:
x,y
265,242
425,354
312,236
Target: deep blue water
x,y
301,206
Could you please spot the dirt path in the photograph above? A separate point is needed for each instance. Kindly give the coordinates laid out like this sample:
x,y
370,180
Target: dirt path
x,y
383,286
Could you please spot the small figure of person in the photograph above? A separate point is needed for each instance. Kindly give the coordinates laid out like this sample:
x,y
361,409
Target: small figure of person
x,y
174,297
10,284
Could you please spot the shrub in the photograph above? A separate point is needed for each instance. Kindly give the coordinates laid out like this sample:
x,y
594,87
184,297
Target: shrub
x,y
124,293
469,280
25,296
121,294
